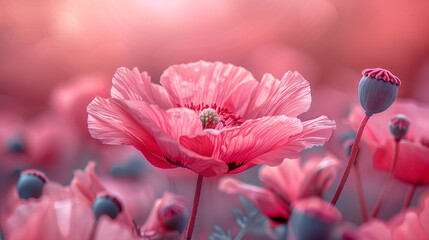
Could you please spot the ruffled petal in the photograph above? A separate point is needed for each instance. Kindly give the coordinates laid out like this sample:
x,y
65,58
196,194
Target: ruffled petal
x,y
271,206
284,179
289,96
133,85
154,227
315,133
411,228
257,141
166,127
111,229
374,230
109,122
319,175
205,83
412,164
86,185
70,216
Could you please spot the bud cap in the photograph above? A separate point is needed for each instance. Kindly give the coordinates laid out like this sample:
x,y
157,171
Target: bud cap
x,y
377,90
399,125
30,184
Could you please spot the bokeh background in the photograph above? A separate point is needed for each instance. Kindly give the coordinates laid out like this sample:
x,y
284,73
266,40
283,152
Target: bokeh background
x,y
44,43
55,55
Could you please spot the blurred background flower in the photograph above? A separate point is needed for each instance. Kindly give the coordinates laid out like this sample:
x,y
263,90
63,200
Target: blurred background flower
x,y
56,56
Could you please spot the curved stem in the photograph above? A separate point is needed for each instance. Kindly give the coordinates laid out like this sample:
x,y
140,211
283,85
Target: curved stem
x,y
93,230
359,189
409,197
191,223
389,180
351,159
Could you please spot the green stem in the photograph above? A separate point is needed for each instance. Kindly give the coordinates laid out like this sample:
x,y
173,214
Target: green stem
x,y
351,159
191,223
387,184
361,196
410,196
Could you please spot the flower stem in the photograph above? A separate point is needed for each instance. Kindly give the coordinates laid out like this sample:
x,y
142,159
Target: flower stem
x,y
351,159
409,197
389,180
361,196
241,234
191,223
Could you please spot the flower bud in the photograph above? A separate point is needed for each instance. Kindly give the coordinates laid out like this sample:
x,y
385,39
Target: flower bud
x,y
399,126
377,90
313,218
15,144
347,141
174,217
133,168
30,184
106,205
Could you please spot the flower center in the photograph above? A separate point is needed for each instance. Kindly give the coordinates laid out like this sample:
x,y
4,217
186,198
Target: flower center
x,y
209,118
216,117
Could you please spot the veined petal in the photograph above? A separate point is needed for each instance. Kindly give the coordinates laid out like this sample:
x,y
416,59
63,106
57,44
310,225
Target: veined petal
x,y
166,127
289,96
256,141
111,229
204,82
270,205
174,122
86,185
412,162
284,179
109,122
319,174
133,85
315,133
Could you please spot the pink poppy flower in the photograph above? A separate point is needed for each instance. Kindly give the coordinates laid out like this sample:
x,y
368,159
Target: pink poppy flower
x,y
374,230
45,142
412,163
86,187
415,222
406,225
56,215
131,178
211,118
70,100
168,218
61,212
110,229
285,184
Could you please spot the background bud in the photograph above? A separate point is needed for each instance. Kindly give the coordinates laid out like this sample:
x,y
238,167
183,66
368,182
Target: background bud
x,y
377,90
399,126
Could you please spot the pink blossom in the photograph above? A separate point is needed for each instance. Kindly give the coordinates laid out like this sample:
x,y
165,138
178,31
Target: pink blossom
x,y
406,225
211,118
61,212
167,214
412,165
70,99
86,187
56,215
44,142
285,184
